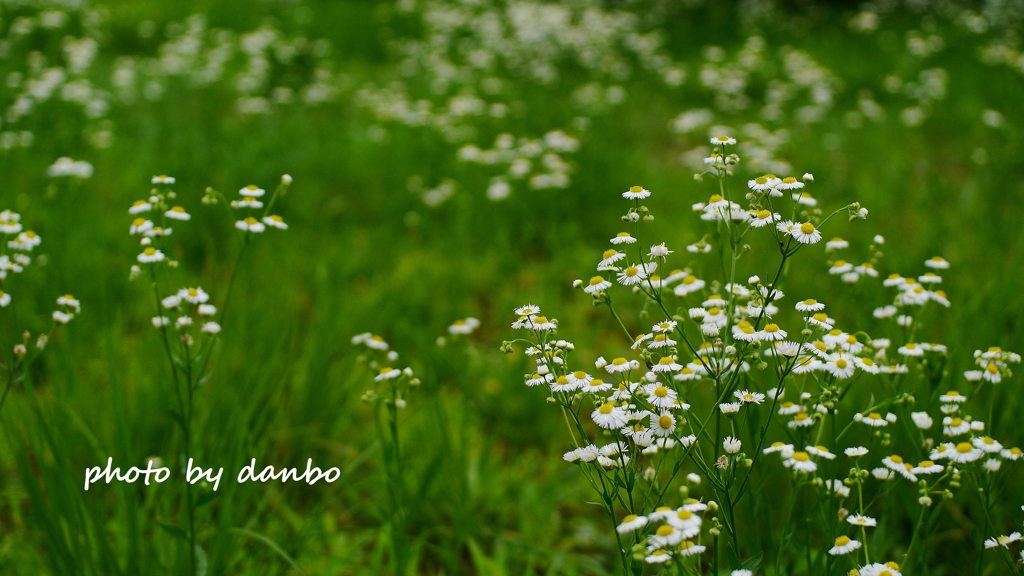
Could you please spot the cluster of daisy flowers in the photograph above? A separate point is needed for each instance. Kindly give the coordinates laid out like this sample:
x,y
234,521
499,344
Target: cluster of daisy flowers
x,y
537,160
15,248
252,211
734,334
391,384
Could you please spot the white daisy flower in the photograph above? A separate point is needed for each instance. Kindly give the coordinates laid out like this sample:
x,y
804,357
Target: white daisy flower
x,y
636,193
801,461
955,426
844,545
922,420
140,226
177,213
160,321
252,191
859,520
140,206
937,262
928,467
163,179
193,295
836,244
609,416
623,238
211,328
988,445
1003,541
723,141
964,452
856,451
150,255
250,224
631,523
820,452
790,183
667,364
597,284
275,221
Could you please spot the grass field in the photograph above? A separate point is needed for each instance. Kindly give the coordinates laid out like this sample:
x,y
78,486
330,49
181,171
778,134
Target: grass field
x,y
914,112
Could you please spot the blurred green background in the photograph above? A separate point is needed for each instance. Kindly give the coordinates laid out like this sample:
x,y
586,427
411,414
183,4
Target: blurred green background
x,y
489,492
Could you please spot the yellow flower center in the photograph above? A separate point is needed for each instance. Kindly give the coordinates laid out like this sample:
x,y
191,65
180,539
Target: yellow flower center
x,y
801,417
810,302
788,180
992,368
665,421
596,383
562,381
689,280
632,271
385,370
771,328
619,361
763,214
714,311
842,541
807,228
579,375
956,422
608,254
250,221
684,515
636,188
875,416
664,530
252,187
868,361
623,235
715,198
925,464
149,251
820,317
896,459
606,408
964,447
841,364
801,457
178,209
629,518
661,392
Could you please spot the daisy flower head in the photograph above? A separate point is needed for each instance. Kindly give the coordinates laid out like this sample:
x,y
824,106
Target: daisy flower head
x,y
836,244
150,255
955,426
631,523
844,545
250,224
896,464
597,284
609,258
636,193
859,520
790,183
748,397
177,213
139,206
804,199
805,233
211,328
988,445
927,467
723,141
193,295
618,365
162,179
809,305
965,452
632,275
772,332
275,221
68,301
658,557
663,424
731,445
659,251
252,191
874,419
623,238
660,396
667,364
887,569
1003,541
609,416
801,462
840,366
856,451
689,285
937,262
762,218
247,202
922,420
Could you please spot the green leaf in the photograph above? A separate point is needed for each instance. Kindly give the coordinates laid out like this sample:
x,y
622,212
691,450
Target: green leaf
x,y
734,558
174,531
272,545
755,562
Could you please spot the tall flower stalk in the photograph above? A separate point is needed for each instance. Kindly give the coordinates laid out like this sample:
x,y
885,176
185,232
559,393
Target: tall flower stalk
x,y
188,323
718,332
